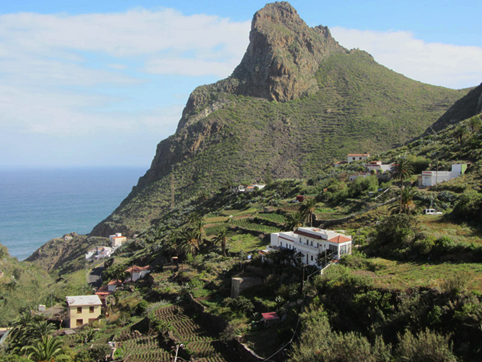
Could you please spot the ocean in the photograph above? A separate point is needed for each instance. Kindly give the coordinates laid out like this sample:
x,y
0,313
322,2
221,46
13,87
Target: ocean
x,y
37,205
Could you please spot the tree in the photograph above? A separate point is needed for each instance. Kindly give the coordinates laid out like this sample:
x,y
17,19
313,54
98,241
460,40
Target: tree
x,y
475,123
460,132
402,170
44,350
308,208
192,242
294,221
222,239
407,204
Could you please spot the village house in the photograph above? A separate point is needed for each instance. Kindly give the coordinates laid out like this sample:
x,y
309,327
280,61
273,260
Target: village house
x,y
357,157
378,166
117,240
138,272
359,174
106,290
431,178
311,241
83,309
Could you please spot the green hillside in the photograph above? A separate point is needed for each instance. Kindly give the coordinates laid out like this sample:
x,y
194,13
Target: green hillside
x,y
361,106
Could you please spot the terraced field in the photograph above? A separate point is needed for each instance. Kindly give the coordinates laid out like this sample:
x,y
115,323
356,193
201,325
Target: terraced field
x,y
200,340
139,348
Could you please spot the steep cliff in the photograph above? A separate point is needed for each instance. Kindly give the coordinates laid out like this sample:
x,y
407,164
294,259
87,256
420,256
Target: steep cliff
x,y
296,101
466,107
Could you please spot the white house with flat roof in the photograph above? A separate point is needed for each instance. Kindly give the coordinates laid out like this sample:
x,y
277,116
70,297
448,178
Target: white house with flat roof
x,y
313,241
431,178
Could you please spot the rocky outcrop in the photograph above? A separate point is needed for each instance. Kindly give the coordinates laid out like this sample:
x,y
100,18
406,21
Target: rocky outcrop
x,y
466,107
279,65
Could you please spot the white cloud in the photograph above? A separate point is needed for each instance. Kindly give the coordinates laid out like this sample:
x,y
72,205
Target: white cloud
x,y
67,76
447,65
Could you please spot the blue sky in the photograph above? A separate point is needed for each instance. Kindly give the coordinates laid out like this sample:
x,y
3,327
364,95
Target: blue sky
x,y
100,83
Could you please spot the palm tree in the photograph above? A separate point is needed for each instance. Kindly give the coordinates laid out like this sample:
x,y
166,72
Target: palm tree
x,y
294,220
475,123
192,242
44,350
407,200
222,239
25,330
402,170
308,208
460,132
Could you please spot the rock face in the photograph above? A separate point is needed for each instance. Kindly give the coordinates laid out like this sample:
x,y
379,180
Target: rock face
x,y
466,107
279,65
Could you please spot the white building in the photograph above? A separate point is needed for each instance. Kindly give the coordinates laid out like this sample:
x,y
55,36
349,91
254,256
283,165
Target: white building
x,y
378,166
359,174
312,241
431,178
138,272
357,157
117,240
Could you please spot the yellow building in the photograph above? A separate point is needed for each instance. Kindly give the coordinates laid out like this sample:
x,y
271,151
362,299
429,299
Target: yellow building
x,y
83,309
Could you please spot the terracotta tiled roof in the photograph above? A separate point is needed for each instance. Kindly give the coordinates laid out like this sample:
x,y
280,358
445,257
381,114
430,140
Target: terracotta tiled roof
x,y
271,316
103,291
115,282
339,239
137,269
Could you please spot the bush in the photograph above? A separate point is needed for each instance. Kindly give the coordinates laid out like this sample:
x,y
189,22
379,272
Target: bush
x,y
469,207
397,229
426,346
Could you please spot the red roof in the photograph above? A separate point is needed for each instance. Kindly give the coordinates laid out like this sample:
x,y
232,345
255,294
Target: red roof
x,y
137,269
271,316
339,239
115,282
103,291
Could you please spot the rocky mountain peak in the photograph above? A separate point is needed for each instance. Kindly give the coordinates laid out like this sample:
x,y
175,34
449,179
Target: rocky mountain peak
x,y
283,55
280,63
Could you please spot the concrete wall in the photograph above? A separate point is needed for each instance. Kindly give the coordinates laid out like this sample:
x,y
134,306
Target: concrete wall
x,y
240,284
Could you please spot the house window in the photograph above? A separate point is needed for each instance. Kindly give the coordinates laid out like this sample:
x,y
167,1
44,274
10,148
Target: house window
x,y
91,309
311,243
79,322
79,310
280,243
312,258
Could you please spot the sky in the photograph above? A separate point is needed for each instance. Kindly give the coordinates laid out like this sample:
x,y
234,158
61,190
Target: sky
x,y
100,83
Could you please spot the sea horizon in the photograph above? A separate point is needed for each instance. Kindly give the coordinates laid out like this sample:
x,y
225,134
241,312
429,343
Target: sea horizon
x,y
38,204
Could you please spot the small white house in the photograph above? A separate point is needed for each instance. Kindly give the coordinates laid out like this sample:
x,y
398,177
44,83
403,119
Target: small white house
x,y
138,272
359,174
117,240
431,178
357,157
254,187
378,166
313,241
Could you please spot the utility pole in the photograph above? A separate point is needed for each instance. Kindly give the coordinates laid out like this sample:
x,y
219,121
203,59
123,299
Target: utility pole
x,y
303,279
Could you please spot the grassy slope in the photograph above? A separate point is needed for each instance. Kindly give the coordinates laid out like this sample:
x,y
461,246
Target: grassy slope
x,y
362,106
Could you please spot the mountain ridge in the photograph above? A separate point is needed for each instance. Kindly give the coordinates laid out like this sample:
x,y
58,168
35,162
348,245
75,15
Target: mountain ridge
x,y
270,117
